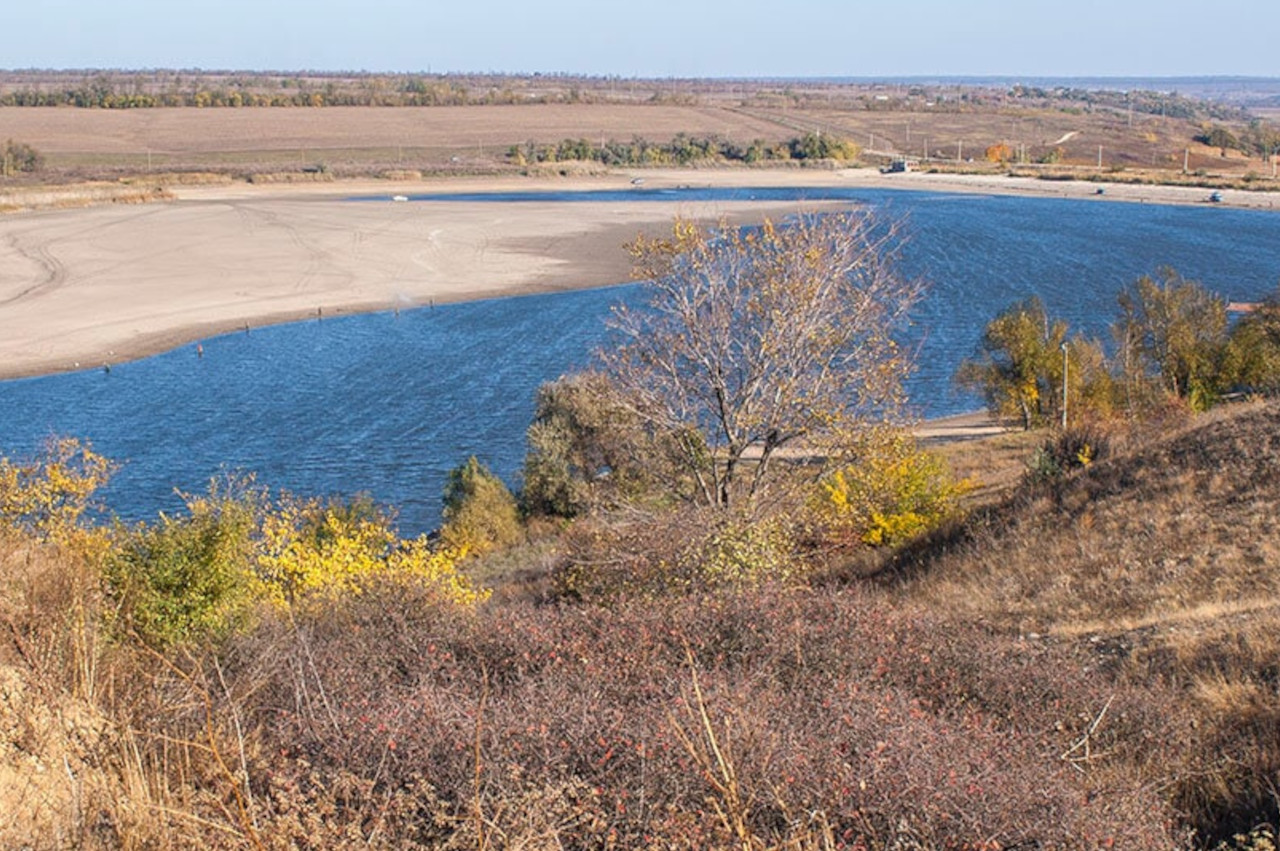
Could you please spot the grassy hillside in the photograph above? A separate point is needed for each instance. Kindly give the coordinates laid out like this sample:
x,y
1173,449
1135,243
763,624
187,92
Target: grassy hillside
x,y
1161,560
1086,662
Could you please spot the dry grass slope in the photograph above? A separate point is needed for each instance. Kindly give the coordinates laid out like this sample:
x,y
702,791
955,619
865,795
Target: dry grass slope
x,y
1162,559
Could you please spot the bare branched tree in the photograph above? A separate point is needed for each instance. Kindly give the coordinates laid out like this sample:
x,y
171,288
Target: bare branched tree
x,y
758,339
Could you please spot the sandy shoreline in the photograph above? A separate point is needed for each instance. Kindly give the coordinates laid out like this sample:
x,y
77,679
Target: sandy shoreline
x,y
102,284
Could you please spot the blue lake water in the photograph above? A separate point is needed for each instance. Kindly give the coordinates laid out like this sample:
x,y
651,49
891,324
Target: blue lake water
x,y
387,404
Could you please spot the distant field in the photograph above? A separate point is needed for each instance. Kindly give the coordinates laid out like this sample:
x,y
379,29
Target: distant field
x,y
190,136
92,142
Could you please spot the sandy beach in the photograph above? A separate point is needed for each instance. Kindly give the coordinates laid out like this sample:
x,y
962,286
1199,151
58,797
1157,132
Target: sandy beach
x,y
95,285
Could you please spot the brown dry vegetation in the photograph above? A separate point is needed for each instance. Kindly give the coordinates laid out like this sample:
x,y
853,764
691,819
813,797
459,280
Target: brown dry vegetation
x,y
1162,559
1084,663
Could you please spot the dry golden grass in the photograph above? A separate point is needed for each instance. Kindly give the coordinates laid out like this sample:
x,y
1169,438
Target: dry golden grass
x,y
991,465
67,778
1160,563
1182,523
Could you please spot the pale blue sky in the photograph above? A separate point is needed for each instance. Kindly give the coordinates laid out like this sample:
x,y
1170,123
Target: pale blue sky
x,y
655,38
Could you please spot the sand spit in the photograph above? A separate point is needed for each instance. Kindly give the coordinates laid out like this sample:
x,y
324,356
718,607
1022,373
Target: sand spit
x,y
104,283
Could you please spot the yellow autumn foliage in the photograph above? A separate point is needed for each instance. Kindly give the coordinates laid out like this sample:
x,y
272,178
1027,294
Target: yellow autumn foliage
x,y
309,550
47,495
894,492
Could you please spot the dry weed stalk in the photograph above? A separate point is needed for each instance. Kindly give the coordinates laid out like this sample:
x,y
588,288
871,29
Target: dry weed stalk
x,y
704,747
1084,743
478,765
240,791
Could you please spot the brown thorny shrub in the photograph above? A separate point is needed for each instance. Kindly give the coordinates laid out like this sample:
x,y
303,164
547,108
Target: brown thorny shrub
x,y
644,554
732,720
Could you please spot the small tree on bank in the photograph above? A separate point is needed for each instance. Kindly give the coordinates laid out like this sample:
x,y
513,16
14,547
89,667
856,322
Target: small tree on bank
x,y
18,157
1253,351
760,339
587,449
1175,331
480,514
1018,370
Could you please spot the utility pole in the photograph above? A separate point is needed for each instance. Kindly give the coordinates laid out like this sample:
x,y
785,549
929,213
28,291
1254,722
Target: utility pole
x,y
1186,159
1064,385
1099,158
959,151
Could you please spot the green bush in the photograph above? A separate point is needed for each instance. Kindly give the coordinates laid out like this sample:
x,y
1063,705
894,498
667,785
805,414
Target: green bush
x,y
585,448
1252,360
19,156
739,552
1073,449
186,578
480,513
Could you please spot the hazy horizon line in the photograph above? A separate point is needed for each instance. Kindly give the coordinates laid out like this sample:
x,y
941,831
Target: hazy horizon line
x,y
728,78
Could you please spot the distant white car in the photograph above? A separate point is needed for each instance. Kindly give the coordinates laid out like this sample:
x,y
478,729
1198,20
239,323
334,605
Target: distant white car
x,y
399,197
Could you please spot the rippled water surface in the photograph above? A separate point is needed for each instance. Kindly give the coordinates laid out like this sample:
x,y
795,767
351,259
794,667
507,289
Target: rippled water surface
x,y
387,404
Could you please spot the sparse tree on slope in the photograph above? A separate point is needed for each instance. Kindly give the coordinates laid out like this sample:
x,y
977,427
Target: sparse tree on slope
x,y
759,339
1253,352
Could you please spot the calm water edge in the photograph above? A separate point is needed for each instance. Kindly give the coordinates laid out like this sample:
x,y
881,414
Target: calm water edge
x,y
387,404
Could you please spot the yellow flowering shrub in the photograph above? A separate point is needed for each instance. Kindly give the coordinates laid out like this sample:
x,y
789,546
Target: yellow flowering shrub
x,y
202,575
310,550
894,492
47,495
